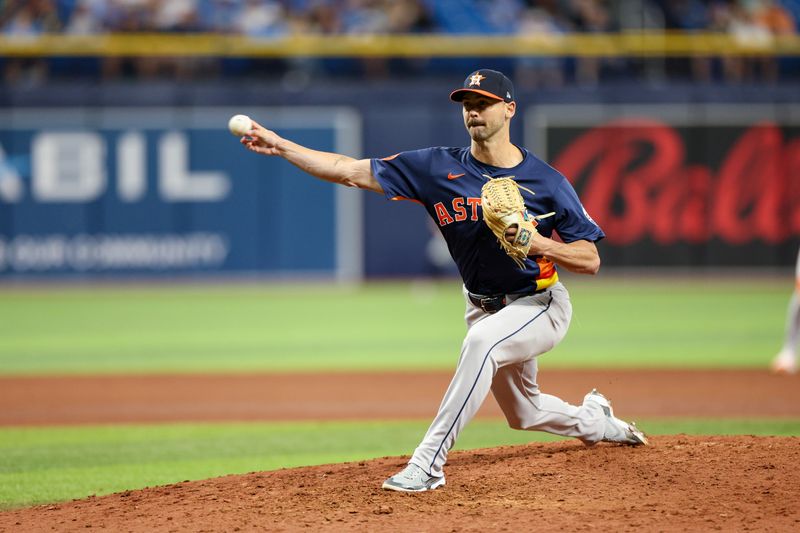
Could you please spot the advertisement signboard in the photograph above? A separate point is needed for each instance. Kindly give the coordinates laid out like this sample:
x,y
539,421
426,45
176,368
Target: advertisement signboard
x,y
692,185
169,191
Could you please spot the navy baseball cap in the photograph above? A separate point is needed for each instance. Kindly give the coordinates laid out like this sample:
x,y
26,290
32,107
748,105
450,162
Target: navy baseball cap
x,y
487,82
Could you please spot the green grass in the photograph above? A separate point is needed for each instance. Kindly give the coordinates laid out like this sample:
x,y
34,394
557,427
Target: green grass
x,y
40,465
210,328
617,322
649,323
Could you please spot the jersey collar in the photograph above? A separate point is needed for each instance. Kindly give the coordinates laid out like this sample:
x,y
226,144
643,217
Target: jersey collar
x,y
491,169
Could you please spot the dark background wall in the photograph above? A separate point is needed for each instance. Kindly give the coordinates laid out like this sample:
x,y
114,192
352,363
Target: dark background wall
x,y
738,147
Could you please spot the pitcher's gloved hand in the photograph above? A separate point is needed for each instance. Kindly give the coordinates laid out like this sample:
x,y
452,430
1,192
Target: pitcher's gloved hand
x,y
505,213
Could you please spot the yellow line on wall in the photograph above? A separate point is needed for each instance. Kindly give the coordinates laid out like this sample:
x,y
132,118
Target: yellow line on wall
x,y
627,44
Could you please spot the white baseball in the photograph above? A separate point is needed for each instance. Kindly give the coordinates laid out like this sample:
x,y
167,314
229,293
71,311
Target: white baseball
x,y
240,125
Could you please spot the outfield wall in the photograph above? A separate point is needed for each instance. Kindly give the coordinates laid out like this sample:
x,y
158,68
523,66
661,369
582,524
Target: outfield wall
x,y
145,180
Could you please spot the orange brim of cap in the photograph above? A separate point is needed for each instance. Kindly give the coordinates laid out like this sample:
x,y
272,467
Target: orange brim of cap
x,y
458,94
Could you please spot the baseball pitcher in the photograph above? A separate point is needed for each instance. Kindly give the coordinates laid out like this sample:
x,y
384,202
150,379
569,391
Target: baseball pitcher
x,y
497,206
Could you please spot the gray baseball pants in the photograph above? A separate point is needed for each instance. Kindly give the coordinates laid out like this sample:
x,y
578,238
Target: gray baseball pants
x,y
499,354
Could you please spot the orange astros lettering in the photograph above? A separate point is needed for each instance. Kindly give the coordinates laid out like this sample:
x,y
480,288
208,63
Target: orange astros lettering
x,y
462,212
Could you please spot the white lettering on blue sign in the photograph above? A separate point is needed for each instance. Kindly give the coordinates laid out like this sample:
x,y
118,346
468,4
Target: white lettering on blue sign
x,y
71,167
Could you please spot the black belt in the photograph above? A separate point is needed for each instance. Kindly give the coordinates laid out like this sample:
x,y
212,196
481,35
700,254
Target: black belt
x,y
492,304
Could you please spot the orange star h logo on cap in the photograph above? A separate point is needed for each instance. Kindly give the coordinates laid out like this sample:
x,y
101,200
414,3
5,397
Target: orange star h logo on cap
x,y
475,79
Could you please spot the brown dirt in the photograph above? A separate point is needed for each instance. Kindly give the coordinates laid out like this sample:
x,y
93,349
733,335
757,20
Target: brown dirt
x,y
636,393
678,483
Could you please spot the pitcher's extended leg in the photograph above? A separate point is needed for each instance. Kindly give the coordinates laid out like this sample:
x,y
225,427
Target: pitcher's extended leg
x,y
520,331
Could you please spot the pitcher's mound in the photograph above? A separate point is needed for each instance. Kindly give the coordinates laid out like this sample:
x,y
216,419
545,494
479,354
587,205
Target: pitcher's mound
x,y
678,483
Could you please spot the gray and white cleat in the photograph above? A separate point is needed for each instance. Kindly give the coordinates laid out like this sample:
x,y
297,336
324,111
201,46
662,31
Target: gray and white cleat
x,y
616,430
413,479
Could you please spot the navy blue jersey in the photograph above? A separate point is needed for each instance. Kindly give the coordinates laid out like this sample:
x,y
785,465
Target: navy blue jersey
x,y
448,181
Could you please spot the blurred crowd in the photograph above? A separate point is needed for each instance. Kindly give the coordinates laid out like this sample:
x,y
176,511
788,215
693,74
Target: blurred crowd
x,y
752,21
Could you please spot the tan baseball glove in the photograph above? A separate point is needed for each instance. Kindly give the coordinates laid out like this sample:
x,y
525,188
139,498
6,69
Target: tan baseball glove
x,y
503,207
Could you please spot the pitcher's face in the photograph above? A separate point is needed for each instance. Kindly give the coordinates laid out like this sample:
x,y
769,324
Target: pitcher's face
x,y
484,116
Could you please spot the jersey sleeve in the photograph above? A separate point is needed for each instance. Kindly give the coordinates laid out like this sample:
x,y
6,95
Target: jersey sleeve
x,y
400,174
573,223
